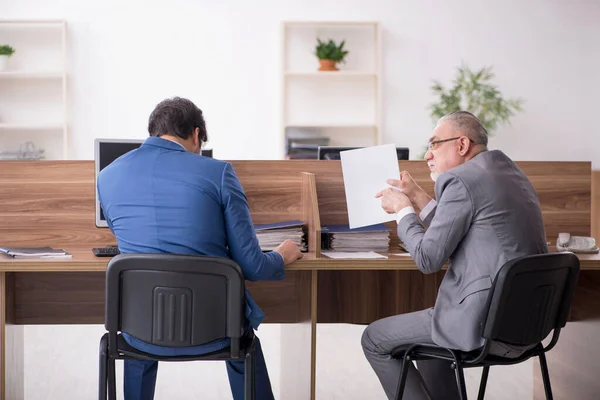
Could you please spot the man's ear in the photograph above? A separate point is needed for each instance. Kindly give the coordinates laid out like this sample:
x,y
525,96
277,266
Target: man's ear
x,y
196,137
465,145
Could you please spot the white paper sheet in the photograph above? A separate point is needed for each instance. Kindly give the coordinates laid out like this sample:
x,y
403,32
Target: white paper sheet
x,y
365,173
356,254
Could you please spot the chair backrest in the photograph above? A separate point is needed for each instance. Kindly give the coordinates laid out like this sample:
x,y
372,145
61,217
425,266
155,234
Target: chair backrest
x,y
530,297
175,300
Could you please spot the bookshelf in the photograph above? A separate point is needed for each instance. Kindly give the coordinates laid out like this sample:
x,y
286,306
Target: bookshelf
x,y
340,108
33,87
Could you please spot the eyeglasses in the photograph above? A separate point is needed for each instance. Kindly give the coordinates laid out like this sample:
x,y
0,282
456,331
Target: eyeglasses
x,y
435,144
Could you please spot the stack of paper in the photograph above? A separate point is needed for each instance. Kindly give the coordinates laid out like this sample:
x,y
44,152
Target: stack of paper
x,y
272,235
34,252
365,173
342,238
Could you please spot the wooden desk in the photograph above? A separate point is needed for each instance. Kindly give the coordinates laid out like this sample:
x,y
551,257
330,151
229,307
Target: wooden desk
x,y
84,261
52,203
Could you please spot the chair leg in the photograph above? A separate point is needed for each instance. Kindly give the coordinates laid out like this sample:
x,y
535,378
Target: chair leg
x,y
250,375
112,384
403,376
253,383
484,378
102,369
460,380
545,376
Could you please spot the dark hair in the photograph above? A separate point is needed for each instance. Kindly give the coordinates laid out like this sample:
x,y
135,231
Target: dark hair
x,y
179,117
469,124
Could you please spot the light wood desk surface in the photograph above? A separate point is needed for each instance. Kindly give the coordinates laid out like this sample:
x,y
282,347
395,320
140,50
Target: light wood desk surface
x,y
83,260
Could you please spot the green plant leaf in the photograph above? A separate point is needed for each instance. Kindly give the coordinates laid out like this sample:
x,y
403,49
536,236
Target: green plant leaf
x,y
474,91
6,50
330,51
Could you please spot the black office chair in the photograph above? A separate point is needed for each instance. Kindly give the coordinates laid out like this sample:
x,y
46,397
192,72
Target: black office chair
x,y
174,301
529,298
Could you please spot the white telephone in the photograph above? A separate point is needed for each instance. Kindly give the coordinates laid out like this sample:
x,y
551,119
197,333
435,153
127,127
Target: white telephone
x,y
576,244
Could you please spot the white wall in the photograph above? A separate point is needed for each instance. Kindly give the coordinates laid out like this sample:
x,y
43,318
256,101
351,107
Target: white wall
x,y
125,56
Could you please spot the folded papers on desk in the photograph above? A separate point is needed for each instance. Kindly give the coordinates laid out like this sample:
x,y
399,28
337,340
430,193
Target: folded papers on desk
x,y
368,238
272,235
350,255
34,252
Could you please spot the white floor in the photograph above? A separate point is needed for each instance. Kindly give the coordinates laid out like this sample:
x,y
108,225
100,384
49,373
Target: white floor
x,y
62,362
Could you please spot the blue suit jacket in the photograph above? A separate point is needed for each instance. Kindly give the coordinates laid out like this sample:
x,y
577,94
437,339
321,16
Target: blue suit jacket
x,y
161,198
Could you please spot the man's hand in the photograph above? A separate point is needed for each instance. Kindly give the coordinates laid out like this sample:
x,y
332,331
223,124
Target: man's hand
x,y
408,186
393,200
289,251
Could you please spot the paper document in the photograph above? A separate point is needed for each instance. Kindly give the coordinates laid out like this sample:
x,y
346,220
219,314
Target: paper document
x,y
361,254
366,172
34,252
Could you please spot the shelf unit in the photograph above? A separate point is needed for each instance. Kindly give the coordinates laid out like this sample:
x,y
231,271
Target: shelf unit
x,y
343,105
33,88
30,75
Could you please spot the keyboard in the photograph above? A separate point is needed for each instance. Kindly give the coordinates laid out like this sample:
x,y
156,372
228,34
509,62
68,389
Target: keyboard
x,y
108,251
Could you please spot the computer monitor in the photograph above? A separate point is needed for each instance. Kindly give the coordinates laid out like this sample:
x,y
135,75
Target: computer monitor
x,y
105,152
333,152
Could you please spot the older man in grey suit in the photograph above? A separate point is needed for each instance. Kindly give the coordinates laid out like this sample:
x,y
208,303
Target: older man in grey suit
x,y
486,213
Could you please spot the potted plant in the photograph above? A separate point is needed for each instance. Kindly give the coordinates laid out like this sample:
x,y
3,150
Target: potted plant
x,y
329,54
5,52
473,91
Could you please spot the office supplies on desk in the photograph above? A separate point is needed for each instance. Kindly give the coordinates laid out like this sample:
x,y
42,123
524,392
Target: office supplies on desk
x,y
34,252
272,235
365,173
366,238
576,244
350,255
108,251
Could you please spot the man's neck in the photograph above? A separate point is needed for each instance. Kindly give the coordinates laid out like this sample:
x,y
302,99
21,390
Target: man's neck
x,y
177,140
476,151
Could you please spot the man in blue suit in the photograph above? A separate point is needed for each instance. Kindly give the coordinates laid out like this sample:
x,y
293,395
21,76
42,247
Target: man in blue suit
x,y
164,197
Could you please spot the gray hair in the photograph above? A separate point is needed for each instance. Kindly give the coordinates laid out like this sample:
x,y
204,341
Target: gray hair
x,y
469,124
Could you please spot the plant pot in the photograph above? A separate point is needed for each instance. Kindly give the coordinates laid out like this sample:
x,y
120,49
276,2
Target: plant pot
x,y
328,65
3,62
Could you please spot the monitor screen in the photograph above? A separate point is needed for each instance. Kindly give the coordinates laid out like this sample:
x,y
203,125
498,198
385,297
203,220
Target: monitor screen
x,y
105,152
333,152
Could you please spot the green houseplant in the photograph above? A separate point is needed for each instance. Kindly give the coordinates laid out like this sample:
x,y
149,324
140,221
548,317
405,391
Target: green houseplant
x,y
474,91
5,52
329,54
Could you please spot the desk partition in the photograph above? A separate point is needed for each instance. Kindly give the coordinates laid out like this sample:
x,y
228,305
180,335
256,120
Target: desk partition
x,y
52,203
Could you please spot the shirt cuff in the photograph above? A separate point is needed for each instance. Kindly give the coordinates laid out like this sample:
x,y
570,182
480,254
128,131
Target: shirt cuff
x,y
404,212
427,209
281,257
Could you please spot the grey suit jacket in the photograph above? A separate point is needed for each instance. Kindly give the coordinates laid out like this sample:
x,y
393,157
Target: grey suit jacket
x,y
487,213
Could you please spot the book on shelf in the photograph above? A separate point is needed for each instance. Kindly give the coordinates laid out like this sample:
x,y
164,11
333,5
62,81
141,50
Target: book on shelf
x,y
34,252
367,238
272,235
